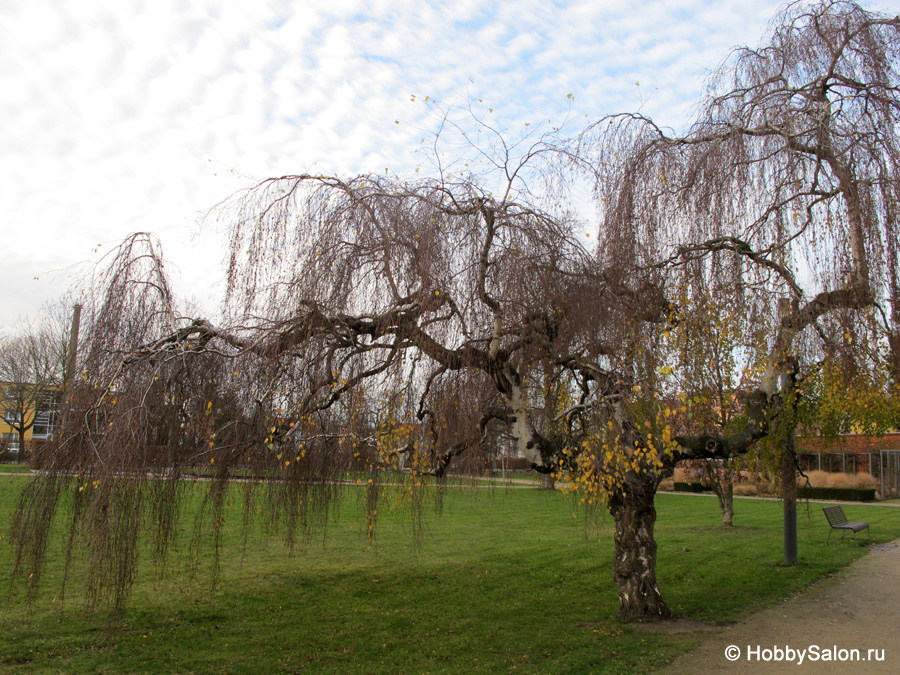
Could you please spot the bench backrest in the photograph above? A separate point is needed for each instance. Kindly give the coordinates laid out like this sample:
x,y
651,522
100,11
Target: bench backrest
x,y
835,515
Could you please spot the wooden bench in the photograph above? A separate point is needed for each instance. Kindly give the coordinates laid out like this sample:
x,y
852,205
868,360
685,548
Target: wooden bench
x,y
838,521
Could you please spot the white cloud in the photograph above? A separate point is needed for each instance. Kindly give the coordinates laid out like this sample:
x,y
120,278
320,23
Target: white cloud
x,y
131,115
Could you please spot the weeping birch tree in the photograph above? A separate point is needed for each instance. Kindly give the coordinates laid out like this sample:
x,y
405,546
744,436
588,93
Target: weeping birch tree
x,y
774,216
378,322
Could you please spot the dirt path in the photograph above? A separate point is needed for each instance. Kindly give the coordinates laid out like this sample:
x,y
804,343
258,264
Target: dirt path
x,y
857,609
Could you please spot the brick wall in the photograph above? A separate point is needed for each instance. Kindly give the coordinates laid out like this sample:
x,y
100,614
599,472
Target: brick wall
x,y
855,443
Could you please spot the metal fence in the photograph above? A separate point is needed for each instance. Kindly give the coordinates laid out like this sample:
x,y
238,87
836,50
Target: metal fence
x,y
889,473
844,462
882,464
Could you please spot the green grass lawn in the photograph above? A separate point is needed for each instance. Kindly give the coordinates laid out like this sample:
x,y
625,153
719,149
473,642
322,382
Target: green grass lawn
x,y
14,468
505,579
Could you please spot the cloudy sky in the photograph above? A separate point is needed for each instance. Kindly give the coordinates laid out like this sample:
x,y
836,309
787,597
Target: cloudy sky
x,y
124,115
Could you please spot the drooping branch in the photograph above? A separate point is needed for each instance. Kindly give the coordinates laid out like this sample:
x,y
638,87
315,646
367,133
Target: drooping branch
x,y
687,253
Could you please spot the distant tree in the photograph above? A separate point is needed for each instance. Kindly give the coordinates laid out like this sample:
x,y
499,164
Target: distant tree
x,y
32,366
378,317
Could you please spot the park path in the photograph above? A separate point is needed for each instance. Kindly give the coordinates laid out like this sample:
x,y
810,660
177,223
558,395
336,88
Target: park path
x,y
859,608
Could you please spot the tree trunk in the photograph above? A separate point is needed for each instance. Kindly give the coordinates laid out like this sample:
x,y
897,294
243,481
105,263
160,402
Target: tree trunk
x,y
722,483
23,456
634,565
726,503
894,343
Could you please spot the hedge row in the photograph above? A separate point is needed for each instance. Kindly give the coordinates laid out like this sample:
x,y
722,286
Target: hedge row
x,y
839,494
690,487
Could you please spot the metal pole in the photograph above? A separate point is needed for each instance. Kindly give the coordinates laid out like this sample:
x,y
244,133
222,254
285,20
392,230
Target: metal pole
x,y
789,489
71,353
73,343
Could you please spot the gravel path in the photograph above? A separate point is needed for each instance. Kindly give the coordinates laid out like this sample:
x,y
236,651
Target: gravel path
x,y
858,608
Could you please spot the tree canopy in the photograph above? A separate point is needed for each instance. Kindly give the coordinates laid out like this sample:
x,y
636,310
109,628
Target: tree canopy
x,y
375,323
